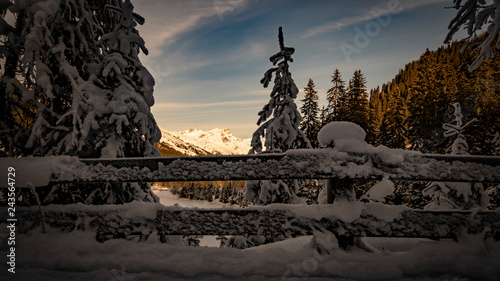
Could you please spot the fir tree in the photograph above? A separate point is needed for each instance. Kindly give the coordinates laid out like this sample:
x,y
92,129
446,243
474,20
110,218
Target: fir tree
x,y
310,124
393,130
49,48
429,99
131,128
16,112
337,98
53,50
281,132
357,101
376,115
87,91
323,117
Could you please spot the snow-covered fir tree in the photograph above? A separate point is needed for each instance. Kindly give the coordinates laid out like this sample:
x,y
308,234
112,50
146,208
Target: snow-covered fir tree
x,y
56,51
87,92
39,95
456,195
16,114
278,123
53,47
131,128
125,126
310,124
281,131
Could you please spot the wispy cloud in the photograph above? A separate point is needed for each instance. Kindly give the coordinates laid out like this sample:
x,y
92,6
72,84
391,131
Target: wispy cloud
x,y
182,61
248,50
380,9
166,21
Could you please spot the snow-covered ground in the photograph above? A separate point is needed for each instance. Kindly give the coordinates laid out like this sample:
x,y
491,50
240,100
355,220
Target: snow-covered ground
x,y
168,199
77,256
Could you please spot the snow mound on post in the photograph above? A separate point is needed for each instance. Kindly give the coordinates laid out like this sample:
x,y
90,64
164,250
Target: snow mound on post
x,y
349,137
342,134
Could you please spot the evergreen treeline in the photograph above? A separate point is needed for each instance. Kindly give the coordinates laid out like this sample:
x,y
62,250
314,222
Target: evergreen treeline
x,y
345,103
226,192
408,112
411,109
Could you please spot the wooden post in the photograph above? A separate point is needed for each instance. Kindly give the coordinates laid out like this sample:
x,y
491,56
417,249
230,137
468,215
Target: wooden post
x,y
329,191
339,189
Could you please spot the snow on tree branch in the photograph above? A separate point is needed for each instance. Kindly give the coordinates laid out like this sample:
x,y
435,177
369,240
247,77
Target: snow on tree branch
x,y
281,132
474,15
456,195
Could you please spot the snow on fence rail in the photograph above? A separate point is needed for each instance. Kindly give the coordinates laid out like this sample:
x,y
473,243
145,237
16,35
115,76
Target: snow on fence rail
x,y
293,164
141,220
344,219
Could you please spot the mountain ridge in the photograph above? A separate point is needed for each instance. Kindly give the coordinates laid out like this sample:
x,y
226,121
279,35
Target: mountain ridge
x,y
193,142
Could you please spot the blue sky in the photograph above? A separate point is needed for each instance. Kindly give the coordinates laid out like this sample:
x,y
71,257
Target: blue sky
x,y
208,56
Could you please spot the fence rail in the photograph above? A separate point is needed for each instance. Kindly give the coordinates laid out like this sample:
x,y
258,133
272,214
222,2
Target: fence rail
x,y
139,220
295,164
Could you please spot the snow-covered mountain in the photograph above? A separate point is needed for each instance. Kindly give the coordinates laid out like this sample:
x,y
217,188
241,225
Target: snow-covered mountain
x,y
197,142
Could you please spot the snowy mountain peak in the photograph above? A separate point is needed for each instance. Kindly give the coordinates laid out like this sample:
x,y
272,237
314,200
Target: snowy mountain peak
x,y
198,132
198,142
191,131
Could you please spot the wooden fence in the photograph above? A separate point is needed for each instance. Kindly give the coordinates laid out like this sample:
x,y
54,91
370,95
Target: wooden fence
x,y
279,221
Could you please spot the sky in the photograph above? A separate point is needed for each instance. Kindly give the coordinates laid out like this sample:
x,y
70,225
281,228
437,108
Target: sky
x,y
208,56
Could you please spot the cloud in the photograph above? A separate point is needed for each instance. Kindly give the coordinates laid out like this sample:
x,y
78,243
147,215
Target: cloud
x,y
166,21
381,9
181,61
162,68
248,50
